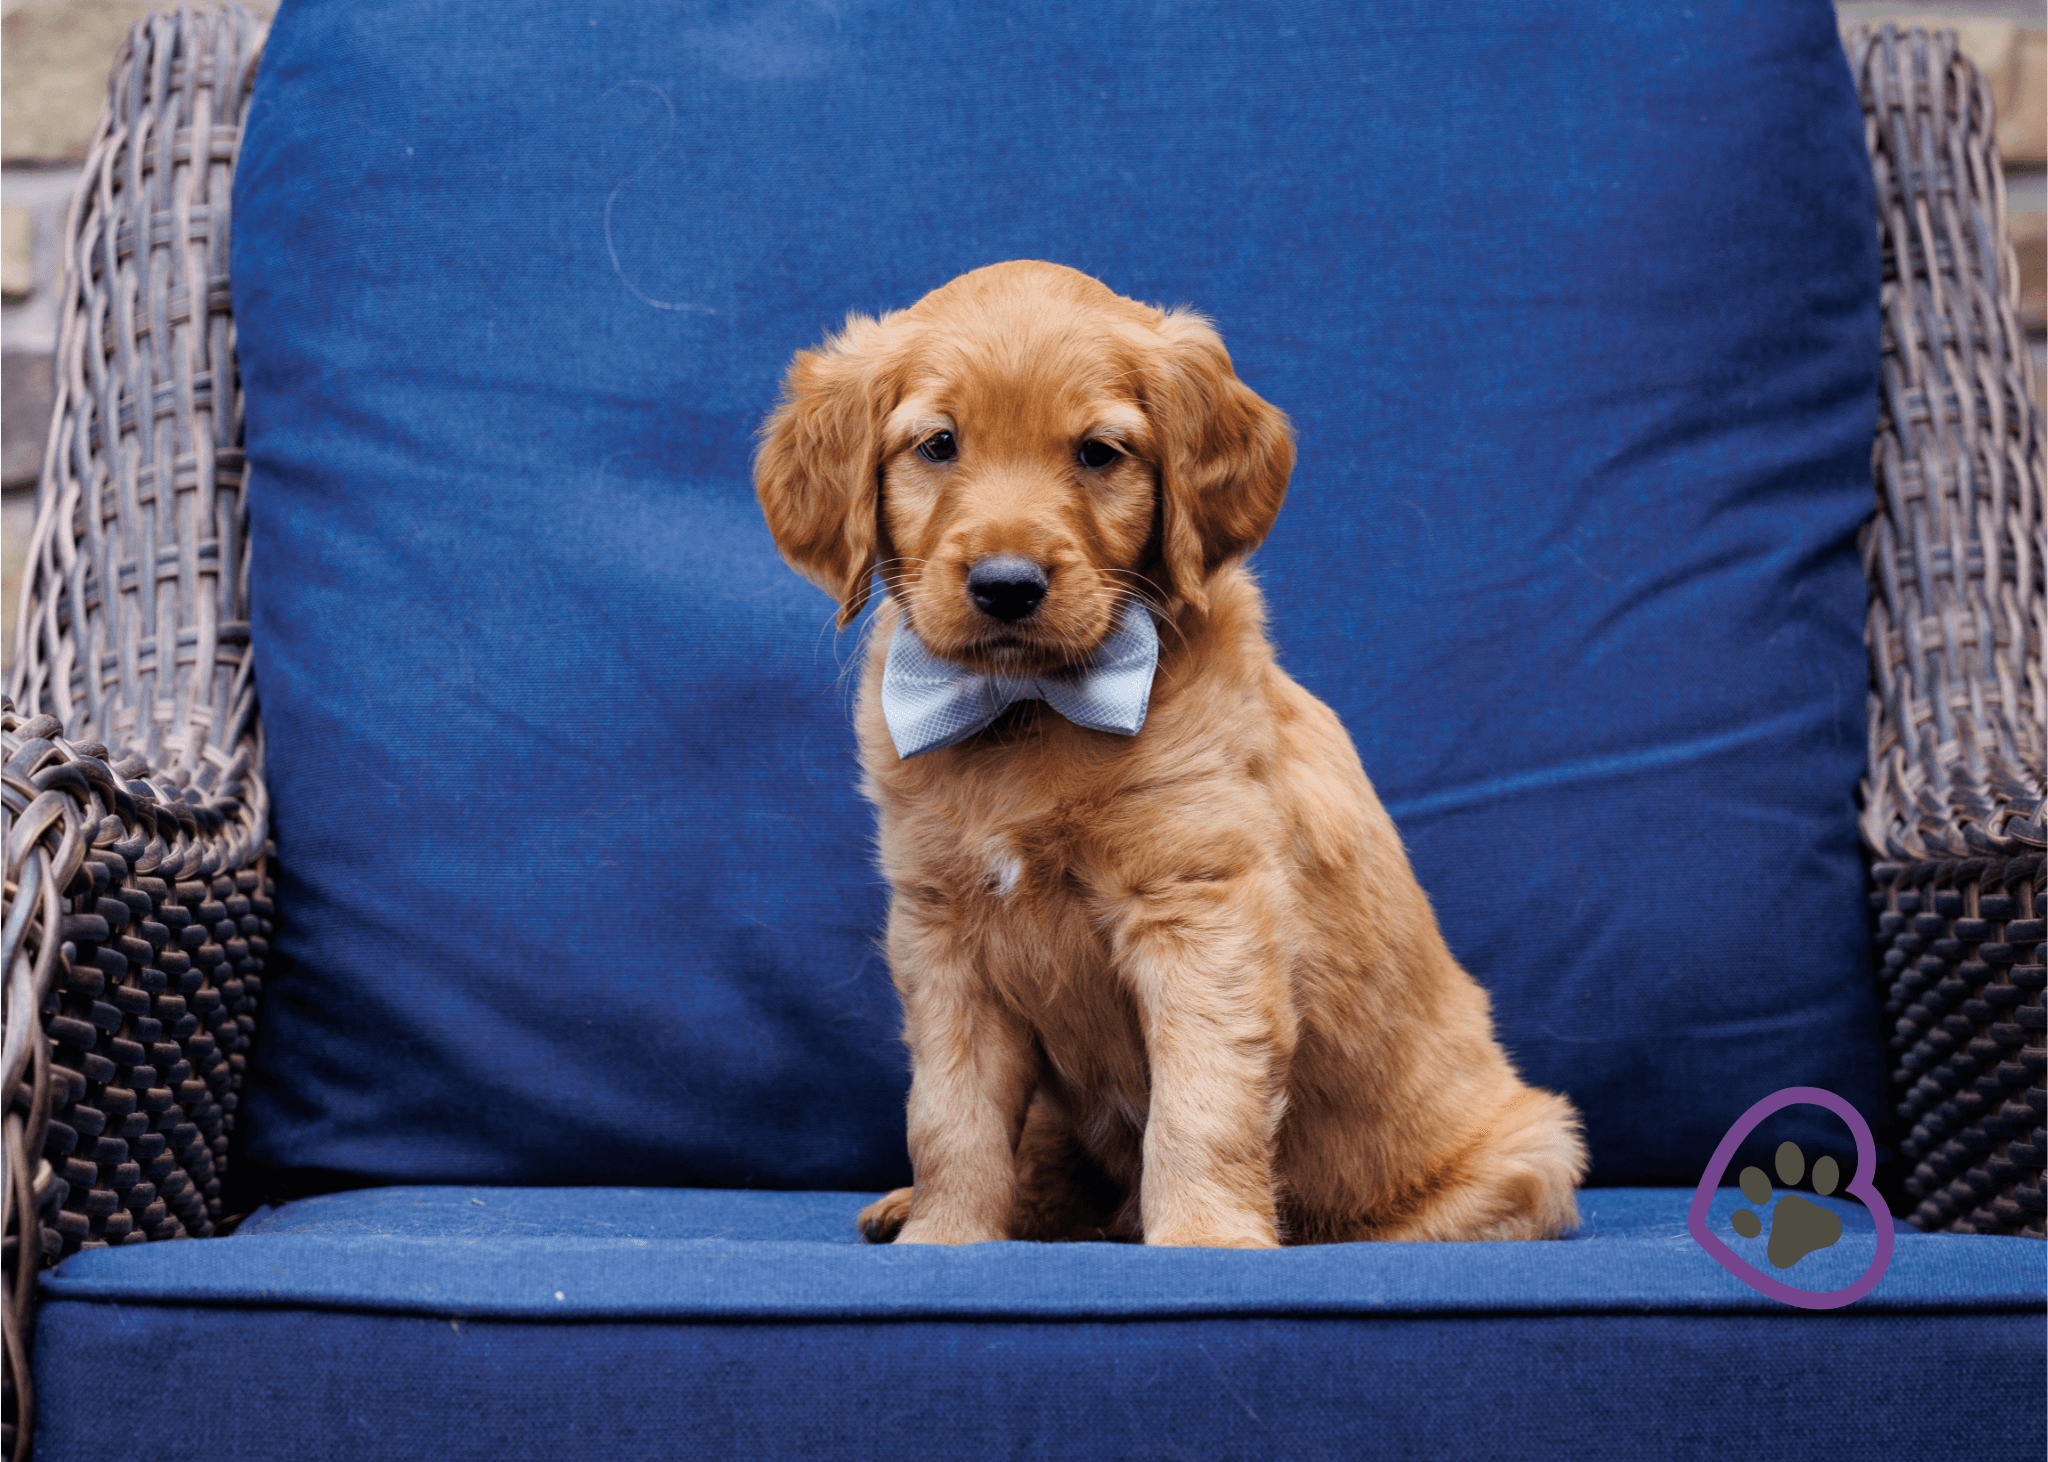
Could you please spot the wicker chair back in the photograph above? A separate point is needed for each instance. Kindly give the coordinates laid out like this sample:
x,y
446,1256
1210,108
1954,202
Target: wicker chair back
x,y
138,886
1952,803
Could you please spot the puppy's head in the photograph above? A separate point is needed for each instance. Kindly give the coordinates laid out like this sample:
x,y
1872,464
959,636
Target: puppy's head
x,y
1019,452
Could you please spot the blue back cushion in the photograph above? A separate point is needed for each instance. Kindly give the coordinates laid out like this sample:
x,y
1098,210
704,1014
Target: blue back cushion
x,y
1573,306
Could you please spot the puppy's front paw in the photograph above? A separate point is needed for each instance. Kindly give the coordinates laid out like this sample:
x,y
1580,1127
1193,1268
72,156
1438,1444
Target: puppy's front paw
x,y
884,1218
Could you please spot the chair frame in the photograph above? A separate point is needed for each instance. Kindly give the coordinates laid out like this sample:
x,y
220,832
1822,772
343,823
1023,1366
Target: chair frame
x,y
1952,809
137,823
137,877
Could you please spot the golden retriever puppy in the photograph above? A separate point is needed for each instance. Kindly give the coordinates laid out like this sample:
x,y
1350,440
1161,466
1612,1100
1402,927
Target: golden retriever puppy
x,y
1178,985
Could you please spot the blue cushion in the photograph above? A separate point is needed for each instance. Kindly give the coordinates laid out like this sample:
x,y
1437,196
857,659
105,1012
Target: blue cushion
x,y
1574,308
505,1323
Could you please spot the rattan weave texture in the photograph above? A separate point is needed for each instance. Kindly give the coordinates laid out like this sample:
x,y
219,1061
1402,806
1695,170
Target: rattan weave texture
x,y
1961,946
1954,554
1952,803
137,879
135,943
134,613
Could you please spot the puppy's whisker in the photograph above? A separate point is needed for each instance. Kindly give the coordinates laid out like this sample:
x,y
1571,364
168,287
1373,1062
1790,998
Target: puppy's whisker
x,y
1142,591
842,680
1136,582
1130,595
864,633
889,571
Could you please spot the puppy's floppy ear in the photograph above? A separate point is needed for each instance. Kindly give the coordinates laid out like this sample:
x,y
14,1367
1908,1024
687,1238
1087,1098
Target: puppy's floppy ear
x,y
816,470
1224,454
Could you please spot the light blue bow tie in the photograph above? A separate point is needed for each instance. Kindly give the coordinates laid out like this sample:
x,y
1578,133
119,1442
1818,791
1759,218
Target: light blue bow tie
x,y
931,703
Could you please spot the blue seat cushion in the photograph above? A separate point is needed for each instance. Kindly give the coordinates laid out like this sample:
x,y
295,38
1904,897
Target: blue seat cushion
x,y
512,1323
1574,308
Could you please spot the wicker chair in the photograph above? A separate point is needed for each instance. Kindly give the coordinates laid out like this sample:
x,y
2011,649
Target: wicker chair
x,y
1952,801
138,890
137,863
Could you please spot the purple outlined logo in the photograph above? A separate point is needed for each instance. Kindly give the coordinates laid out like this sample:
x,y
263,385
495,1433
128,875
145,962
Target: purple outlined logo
x,y
1791,1165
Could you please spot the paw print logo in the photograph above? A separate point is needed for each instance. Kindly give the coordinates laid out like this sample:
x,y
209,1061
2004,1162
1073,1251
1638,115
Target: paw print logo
x,y
1799,1227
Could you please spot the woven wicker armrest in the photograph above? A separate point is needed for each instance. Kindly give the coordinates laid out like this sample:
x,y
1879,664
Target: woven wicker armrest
x,y
138,892
1952,803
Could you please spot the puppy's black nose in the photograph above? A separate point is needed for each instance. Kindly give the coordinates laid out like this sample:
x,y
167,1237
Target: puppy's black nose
x,y
1006,587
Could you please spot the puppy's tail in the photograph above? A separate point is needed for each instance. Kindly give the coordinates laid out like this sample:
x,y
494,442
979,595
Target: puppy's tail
x,y
1526,1174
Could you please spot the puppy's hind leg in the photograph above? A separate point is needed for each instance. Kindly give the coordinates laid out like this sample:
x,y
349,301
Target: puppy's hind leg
x,y
1062,1193
1519,1180
884,1218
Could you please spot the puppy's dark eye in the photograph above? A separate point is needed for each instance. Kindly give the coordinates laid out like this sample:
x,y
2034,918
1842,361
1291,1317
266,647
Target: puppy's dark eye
x,y
1097,454
938,447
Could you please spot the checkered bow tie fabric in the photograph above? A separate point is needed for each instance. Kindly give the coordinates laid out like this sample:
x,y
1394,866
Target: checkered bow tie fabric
x,y
931,703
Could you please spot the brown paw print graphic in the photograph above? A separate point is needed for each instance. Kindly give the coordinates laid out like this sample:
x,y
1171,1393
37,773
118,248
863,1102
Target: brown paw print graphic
x,y
1798,1227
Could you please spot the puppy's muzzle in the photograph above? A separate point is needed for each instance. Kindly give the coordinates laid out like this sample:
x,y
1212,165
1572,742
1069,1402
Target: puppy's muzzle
x,y
1006,587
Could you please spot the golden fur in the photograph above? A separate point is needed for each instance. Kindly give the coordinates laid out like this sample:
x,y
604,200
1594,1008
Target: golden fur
x,y
1180,986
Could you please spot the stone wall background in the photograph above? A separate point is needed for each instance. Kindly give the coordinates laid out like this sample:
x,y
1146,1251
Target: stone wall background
x,y
55,55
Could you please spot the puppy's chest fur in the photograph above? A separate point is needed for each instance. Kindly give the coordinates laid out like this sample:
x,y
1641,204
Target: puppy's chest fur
x,y
1020,893
1021,890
